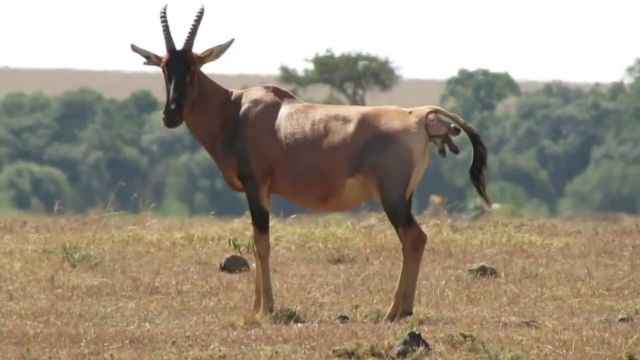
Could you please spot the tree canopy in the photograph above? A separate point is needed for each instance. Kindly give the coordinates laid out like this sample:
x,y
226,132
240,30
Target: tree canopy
x,y
350,74
561,144
478,91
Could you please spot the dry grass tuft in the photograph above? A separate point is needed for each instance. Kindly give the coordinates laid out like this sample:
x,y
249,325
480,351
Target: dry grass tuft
x,y
130,287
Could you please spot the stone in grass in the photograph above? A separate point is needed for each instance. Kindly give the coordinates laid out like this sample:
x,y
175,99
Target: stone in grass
x,y
411,343
625,318
233,264
483,271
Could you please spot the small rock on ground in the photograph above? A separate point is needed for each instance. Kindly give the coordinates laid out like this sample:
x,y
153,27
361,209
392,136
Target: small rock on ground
x,y
625,318
234,264
411,343
529,323
483,270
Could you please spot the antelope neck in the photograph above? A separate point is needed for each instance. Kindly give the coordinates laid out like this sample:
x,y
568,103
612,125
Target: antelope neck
x,y
209,114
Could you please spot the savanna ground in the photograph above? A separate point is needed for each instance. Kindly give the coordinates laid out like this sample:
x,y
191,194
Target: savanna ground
x,y
133,287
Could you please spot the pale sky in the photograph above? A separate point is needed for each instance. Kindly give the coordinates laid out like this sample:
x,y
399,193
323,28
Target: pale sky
x,y
584,41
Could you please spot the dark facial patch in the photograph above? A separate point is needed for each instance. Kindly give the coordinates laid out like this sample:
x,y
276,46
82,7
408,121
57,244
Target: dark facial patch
x,y
176,69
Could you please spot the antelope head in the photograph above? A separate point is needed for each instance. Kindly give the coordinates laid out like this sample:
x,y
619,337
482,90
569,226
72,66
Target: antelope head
x,y
179,67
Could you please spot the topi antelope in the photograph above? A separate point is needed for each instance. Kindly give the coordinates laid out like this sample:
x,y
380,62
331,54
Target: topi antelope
x,y
265,141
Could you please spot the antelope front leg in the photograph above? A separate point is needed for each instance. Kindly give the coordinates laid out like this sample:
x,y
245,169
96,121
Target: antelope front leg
x,y
264,293
258,200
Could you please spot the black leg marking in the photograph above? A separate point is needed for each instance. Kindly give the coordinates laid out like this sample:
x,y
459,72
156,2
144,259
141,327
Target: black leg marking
x,y
392,187
259,214
392,163
398,211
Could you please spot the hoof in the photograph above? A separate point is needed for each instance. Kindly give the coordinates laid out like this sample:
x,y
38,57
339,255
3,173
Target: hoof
x,y
398,316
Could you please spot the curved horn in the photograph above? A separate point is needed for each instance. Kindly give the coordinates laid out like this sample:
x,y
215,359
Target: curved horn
x,y
191,37
168,39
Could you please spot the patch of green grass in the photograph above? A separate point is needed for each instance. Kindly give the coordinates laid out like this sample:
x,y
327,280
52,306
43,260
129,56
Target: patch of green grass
x,y
75,256
485,350
359,351
235,244
375,316
287,316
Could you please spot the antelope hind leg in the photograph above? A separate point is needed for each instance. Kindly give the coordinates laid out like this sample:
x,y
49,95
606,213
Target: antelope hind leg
x,y
413,241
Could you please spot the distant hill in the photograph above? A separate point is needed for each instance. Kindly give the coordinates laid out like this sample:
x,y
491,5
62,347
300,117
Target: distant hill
x,y
409,92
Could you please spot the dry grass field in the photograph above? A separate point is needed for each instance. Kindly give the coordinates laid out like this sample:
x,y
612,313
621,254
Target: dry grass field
x,y
409,92
132,287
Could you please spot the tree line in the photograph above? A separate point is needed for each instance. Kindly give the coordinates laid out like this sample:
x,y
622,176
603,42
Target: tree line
x,y
559,149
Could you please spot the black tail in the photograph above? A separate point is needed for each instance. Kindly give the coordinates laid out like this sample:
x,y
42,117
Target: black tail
x,y
477,171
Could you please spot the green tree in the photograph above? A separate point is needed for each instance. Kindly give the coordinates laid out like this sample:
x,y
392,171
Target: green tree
x,y
526,172
74,111
515,197
15,104
562,125
350,74
195,186
29,186
143,103
26,127
478,91
160,144
112,167
631,100
18,104
611,185
620,146
632,72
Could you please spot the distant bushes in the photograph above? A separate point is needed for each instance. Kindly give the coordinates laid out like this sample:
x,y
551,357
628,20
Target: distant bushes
x,y
560,149
30,186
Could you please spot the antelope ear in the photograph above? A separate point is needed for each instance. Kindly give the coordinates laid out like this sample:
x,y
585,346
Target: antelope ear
x,y
214,53
151,58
